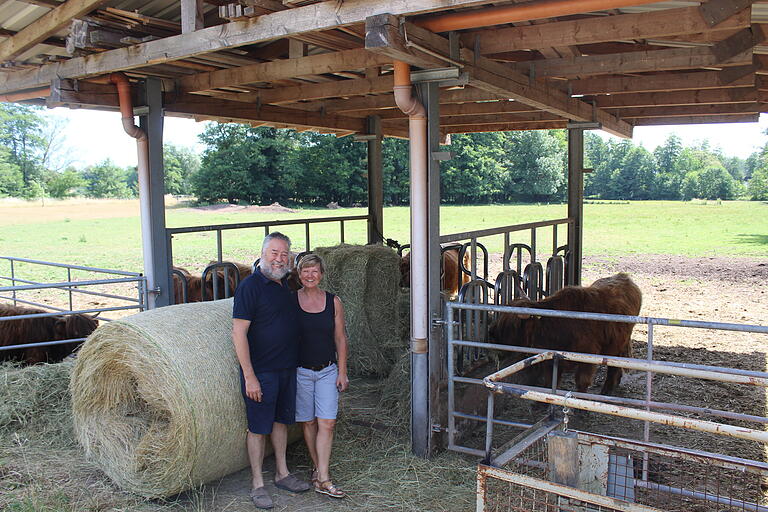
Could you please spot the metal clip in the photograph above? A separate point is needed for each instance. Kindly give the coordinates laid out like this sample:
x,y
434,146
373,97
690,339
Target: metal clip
x,y
566,410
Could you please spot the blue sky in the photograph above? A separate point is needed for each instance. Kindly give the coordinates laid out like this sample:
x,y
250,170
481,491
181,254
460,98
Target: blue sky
x,y
93,136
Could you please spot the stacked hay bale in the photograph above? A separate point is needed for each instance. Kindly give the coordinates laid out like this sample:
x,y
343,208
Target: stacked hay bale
x,y
366,278
156,399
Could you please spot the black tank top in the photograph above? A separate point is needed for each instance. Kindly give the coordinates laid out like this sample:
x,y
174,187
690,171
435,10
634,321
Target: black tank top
x,y
317,346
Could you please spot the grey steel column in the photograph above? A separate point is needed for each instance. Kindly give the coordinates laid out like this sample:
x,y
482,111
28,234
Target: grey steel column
x,y
575,202
428,369
375,183
157,269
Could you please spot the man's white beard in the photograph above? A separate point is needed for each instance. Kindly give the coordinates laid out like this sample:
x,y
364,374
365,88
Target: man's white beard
x,y
266,269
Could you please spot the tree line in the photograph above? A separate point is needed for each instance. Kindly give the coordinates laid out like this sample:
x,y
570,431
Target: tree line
x,y
263,165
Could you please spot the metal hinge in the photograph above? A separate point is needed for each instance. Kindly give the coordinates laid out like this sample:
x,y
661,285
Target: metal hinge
x,y
436,427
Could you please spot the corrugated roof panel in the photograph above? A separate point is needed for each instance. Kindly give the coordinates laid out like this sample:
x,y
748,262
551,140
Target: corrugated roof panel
x,y
17,15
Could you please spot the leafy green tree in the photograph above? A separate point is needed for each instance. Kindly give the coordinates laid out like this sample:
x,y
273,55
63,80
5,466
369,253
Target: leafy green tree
x,y
534,166
64,184
11,179
758,185
105,180
471,175
242,163
179,165
395,171
669,172
20,132
330,169
716,183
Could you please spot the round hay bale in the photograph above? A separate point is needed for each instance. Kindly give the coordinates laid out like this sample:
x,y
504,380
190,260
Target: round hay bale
x,y
156,399
366,278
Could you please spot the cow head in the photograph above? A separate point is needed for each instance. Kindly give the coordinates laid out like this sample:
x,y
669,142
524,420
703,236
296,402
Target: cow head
x,y
405,271
75,326
509,328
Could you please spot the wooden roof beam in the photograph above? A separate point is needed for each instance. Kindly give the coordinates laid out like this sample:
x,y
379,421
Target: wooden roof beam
x,y
383,35
689,110
200,105
506,127
282,69
656,99
656,83
631,62
665,121
310,18
646,25
45,26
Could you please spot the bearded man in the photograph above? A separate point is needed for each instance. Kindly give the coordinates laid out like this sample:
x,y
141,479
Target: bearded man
x,y
266,337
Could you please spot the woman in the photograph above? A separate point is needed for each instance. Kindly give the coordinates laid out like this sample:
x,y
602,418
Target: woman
x,y
322,371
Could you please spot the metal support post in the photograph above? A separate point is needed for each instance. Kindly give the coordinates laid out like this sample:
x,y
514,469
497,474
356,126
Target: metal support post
x,y
375,183
438,414
156,257
575,202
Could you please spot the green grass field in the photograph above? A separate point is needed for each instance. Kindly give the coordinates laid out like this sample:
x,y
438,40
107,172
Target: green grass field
x,y
98,234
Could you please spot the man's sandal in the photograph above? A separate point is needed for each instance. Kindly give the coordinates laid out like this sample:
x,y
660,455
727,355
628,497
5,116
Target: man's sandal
x,y
329,489
261,499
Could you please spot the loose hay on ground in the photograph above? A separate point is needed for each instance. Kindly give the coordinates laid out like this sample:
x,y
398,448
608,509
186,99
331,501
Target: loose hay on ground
x,y
366,278
34,402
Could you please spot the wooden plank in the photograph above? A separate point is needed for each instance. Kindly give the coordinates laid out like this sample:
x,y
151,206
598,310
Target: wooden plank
x,y
631,62
45,26
655,83
652,99
689,110
200,105
717,11
320,91
647,25
665,121
530,117
383,35
192,15
283,69
740,42
321,16
505,127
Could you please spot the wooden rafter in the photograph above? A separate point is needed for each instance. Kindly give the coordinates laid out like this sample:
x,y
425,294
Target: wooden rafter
x,y
635,62
653,99
383,35
312,18
282,69
689,110
655,83
664,121
45,26
647,25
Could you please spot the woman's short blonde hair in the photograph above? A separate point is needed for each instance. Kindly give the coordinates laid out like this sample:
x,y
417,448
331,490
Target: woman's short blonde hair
x,y
311,260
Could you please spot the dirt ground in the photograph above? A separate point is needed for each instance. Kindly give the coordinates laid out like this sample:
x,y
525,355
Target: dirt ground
x,y
711,289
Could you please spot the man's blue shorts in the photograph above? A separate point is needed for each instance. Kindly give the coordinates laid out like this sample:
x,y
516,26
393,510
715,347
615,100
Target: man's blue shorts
x,y
278,400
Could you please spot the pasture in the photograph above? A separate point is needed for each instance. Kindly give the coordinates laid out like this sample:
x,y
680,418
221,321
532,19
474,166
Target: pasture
x,y
696,260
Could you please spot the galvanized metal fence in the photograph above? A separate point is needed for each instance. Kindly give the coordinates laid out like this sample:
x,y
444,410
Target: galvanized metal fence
x,y
267,226
636,474
25,291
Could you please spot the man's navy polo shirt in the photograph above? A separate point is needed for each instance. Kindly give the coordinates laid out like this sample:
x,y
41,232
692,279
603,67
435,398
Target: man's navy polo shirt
x,y
273,336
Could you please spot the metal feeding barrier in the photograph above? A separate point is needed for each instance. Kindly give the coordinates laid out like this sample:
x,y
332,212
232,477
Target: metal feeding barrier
x,y
116,280
551,467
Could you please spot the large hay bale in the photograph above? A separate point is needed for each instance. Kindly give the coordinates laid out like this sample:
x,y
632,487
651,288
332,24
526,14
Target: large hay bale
x,y
366,278
156,399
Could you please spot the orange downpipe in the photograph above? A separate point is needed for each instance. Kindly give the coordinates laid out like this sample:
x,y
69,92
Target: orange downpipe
x,y
142,147
25,95
521,12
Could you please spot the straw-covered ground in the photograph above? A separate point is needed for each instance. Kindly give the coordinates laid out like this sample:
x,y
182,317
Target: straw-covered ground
x,y
42,468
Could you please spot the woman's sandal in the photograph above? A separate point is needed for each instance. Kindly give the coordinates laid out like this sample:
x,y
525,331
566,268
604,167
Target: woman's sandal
x,y
329,489
313,477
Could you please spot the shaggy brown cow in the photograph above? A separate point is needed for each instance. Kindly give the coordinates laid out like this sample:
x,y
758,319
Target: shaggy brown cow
x,y
614,295
35,330
449,273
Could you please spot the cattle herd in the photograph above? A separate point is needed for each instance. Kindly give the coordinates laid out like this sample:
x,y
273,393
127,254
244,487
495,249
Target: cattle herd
x,y
614,295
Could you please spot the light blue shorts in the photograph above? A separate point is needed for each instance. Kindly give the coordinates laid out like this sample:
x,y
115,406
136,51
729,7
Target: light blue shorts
x,y
316,393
